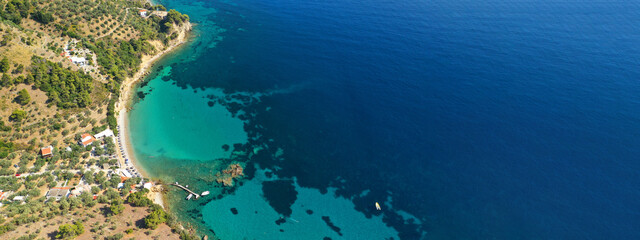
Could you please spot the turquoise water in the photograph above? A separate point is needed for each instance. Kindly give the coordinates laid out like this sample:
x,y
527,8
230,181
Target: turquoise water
x,y
178,134
254,216
184,126
463,119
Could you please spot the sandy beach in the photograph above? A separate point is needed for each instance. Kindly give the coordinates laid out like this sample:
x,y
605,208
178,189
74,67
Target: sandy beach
x,y
121,106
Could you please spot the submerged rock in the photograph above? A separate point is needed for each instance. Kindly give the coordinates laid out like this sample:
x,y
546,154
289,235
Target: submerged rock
x,y
227,176
280,194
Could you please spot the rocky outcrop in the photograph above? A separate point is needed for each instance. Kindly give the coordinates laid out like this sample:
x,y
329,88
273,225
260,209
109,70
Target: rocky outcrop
x,y
227,176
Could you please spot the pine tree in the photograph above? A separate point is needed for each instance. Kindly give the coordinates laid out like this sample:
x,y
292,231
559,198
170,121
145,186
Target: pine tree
x,y
4,65
6,80
23,97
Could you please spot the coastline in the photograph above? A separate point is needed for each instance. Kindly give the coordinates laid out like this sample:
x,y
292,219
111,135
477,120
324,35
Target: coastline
x,y
126,91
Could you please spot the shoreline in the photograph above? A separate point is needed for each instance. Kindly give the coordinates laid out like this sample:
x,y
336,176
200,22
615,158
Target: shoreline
x,y
126,91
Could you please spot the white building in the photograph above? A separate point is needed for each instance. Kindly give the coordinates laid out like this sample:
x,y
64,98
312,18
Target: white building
x,y
19,198
80,189
80,61
58,193
103,134
126,173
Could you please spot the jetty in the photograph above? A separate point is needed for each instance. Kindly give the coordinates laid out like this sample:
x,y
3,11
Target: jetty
x,y
186,189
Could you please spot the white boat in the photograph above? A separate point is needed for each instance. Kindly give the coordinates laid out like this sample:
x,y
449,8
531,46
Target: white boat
x,y
378,206
205,193
189,197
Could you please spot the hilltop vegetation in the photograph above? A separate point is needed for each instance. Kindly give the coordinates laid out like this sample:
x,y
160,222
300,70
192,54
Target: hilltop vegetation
x,y
62,64
39,36
65,88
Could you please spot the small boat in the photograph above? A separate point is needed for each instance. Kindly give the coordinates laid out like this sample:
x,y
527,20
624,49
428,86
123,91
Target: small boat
x,y
205,193
378,206
189,197
186,186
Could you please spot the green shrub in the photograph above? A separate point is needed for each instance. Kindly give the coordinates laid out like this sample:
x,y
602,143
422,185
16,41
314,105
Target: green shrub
x,y
23,97
116,208
18,115
139,199
155,218
4,65
43,17
116,236
67,231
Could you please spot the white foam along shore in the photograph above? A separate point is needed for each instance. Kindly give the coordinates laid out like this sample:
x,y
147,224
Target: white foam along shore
x,y
125,150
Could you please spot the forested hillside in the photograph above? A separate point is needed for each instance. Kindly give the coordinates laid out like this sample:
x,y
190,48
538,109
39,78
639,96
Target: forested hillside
x,y
62,65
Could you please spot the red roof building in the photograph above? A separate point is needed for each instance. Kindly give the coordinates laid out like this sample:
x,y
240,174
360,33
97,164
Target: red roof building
x,y
47,151
86,139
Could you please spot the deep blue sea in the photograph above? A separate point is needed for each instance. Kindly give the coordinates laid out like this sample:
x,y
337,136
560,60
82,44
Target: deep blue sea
x,y
463,119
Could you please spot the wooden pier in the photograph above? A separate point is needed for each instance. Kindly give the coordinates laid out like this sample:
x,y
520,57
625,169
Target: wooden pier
x,y
186,189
